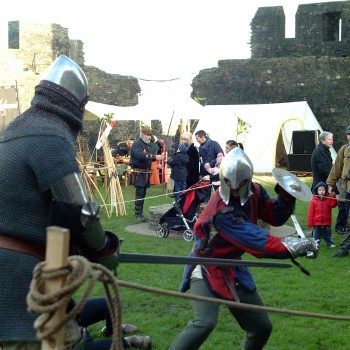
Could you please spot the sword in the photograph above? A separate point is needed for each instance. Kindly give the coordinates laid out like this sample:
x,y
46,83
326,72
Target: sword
x,y
180,260
297,226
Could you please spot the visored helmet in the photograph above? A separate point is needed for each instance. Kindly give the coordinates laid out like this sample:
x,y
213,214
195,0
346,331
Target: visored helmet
x,y
66,73
238,168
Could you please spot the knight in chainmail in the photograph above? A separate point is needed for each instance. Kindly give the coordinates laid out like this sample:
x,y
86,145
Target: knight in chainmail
x,y
41,186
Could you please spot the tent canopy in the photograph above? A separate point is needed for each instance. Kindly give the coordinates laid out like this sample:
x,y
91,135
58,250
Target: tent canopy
x,y
265,130
169,110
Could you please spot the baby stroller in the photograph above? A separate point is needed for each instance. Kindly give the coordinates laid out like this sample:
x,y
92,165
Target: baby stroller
x,y
183,213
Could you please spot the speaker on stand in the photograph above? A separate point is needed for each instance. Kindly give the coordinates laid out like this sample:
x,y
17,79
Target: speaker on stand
x,y
304,141
303,144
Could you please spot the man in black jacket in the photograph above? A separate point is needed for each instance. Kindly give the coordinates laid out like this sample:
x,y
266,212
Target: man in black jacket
x,y
321,159
141,157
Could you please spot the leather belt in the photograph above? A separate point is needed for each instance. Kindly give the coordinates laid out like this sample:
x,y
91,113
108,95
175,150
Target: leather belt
x,y
142,171
19,245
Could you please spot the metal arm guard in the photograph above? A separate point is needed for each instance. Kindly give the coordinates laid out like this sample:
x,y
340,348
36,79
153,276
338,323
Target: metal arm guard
x,y
300,246
99,246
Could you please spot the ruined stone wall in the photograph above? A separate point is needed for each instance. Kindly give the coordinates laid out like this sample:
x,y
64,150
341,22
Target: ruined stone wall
x,y
314,66
320,30
113,89
32,47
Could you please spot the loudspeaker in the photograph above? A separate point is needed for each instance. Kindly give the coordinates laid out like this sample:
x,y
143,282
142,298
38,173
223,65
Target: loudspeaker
x,y
304,141
299,162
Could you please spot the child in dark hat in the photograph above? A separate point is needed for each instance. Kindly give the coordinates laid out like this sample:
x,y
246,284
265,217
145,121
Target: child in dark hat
x,y
178,165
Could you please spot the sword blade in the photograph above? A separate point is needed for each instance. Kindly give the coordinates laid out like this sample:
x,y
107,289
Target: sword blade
x,y
297,226
169,259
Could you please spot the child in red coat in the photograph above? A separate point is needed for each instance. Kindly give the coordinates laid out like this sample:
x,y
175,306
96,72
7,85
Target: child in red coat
x,y
320,214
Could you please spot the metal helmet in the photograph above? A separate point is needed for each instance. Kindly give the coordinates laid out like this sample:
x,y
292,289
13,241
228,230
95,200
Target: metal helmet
x,y
66,73
236,167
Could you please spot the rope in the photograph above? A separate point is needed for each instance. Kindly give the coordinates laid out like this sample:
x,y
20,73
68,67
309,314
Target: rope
x,y
231,304
163,195
194,189
78,271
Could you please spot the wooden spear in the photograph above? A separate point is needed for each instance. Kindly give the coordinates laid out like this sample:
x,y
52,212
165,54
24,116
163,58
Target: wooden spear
x,y
57,247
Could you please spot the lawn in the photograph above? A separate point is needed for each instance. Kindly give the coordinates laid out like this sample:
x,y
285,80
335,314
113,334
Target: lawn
x,y
162,317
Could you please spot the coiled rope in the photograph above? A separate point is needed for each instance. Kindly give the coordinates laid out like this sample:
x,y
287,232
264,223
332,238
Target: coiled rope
x,y
78,271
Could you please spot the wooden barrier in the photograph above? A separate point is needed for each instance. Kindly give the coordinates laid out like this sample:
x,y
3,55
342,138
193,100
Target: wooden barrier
x,y
57,247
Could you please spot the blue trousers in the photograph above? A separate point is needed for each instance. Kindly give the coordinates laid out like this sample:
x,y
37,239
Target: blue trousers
x,y
179,186
324,231
96,310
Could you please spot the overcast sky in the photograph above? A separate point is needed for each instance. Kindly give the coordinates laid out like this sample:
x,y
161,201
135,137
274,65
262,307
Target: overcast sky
x,y
153,39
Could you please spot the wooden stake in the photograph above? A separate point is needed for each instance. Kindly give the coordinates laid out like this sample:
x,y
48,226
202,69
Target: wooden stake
x,y
57,247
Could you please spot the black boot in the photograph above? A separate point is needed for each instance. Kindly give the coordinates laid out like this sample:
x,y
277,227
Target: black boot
x,y
139,209
340,254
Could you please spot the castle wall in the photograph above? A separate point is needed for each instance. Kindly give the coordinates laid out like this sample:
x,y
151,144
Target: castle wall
x,y
32,47
314,66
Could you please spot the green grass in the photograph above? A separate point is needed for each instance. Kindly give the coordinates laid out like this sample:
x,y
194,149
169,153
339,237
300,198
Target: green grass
x,y
326,291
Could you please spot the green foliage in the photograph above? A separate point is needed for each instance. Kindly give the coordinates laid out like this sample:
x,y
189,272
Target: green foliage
x,y
163,317
243,128
107,117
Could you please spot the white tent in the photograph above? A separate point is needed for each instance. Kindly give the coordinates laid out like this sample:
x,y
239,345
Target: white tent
x,y
268,129
169,110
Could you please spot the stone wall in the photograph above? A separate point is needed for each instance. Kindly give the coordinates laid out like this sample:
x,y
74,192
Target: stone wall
x,y
314,66
32,47
320,30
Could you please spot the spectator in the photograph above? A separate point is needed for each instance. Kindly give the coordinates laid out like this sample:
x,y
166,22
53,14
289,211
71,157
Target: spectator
x,y
193,163
178,165
122,149
160,163
141,157
154,145
39,181
320,214
208,152
321,159
340,171
230,145
160,144
342,186
213,178
214,172
154,180
227,227
240,145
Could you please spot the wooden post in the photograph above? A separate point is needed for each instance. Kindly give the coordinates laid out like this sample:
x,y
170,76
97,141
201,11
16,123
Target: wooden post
x,y
57,247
